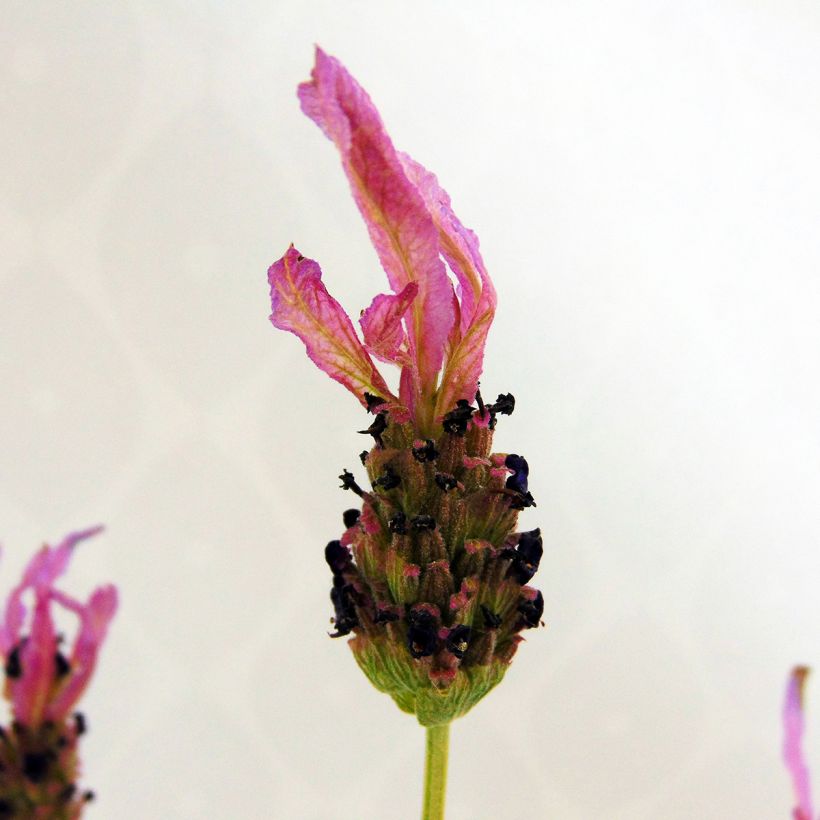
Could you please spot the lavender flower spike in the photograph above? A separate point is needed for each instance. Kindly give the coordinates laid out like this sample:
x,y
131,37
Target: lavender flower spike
x,y
39,762
429,576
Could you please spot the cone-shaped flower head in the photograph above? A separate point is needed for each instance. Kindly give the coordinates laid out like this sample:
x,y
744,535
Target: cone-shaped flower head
x,y
429,575
794,726
44,680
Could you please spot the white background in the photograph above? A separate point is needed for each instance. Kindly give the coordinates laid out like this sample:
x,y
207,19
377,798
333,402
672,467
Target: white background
x,y
644,177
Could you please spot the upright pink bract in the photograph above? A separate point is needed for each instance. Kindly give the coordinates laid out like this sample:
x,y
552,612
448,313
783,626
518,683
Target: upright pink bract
x,y
794,726
42,683
433,331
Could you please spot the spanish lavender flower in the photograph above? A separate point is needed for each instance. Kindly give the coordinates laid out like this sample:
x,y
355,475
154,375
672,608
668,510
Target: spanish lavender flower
x,y
430,576
39,764
794,725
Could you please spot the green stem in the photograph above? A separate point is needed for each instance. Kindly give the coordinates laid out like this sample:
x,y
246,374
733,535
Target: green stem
x,y
435,772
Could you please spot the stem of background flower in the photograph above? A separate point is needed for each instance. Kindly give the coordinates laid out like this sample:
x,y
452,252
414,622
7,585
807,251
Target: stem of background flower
x,y
435,772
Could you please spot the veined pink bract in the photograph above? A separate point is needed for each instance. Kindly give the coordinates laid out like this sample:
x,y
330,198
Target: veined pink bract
x,y
42,683
434,332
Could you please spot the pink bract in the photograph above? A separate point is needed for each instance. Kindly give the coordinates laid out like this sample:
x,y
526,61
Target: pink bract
x,y
794,726
433,331
39,689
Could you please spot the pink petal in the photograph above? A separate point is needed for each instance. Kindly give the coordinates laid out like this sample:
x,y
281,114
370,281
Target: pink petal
x,y
95,617
381,324
43,569
30,691
793,725
399,225
459,245
302,305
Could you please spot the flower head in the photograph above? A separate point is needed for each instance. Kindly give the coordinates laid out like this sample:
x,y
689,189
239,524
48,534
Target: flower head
x,y
430,576
432,330
44,681
794,725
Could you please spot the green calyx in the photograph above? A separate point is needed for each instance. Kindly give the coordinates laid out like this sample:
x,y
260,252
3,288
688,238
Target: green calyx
x,y
391,670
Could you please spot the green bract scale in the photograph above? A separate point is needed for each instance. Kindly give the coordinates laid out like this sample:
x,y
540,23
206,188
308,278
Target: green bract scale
x,y
430,576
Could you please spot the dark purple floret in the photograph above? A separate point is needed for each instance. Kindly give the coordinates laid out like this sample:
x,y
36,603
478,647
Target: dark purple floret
x,y
345,612
349,483
504,404
455,421
518,481
445,482
388,480
373,402
384,615
531,611
423,522
427,452
526,556
458,639
422,634
350,517
397,523
377,428
338,557
522,500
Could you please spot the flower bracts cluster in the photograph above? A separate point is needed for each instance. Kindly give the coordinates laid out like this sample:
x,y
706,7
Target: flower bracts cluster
x,y
44,680
431,575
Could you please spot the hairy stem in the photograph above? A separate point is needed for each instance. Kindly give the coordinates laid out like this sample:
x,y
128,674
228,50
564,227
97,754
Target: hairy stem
x,y
435,772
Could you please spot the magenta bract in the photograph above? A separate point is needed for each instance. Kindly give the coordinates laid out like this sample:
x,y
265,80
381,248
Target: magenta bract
x,y
433,327
44,680
794,726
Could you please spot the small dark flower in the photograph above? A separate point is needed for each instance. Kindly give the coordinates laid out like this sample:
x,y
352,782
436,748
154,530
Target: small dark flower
x,y
456,421
385,614
422,634
426,451
518,481
445,481
373,402
377,428
526,556
531,610
504,404
341,595
458,639
338,557
388,480
423,522
397,523
350,517
349,483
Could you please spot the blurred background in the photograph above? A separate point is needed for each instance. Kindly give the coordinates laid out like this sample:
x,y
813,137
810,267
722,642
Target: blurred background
x,y
645,181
